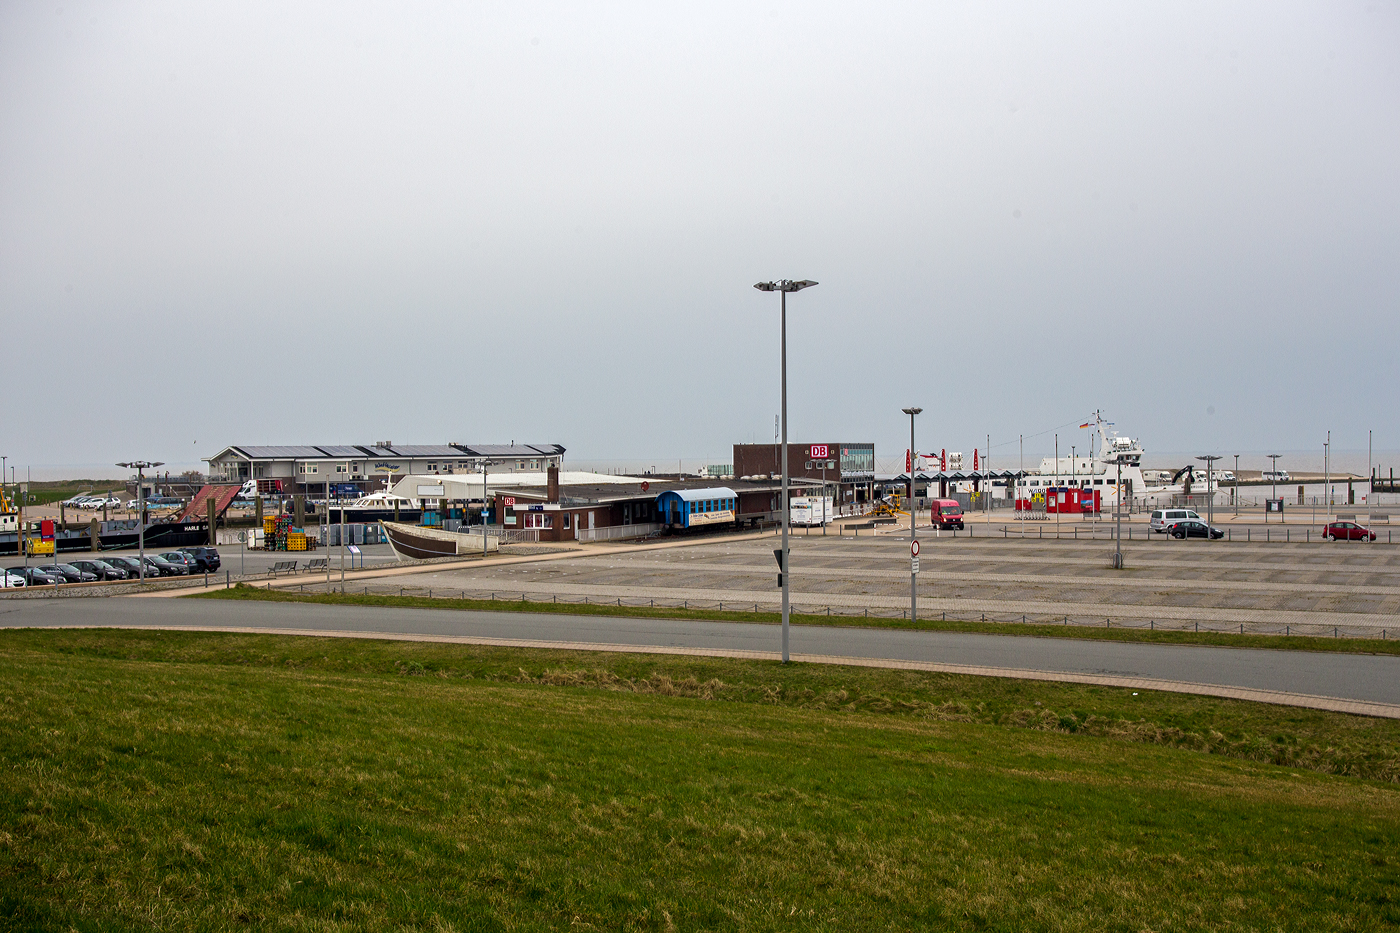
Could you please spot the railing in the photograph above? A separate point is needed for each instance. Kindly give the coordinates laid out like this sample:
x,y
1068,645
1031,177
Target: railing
x,y
618,532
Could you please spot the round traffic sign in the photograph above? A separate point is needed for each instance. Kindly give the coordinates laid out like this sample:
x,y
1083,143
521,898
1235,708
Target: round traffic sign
x,y
914,548
243,536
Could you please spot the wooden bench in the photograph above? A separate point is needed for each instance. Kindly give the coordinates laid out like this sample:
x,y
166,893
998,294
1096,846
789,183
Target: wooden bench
x,y
283,566
320,563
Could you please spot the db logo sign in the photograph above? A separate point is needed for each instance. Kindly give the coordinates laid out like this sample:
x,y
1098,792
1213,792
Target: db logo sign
x,y
509,502
820,452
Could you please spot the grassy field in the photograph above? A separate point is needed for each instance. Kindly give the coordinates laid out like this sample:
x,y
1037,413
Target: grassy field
x,y
200,781
1227,639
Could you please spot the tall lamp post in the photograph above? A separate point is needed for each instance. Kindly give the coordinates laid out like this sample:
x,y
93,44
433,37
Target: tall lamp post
x,y
913,538
139,466
1274,474
1235,487
784,286
1210,494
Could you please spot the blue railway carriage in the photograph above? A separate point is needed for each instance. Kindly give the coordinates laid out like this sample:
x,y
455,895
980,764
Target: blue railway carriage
x,y
697,508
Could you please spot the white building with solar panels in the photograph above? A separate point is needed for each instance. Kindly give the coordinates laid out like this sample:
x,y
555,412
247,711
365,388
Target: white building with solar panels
x,y
309,468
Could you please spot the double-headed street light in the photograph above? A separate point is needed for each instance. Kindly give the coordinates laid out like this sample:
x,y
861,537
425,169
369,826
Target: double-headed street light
x,y
913,539
1210,493
138,466
1274,474
784,286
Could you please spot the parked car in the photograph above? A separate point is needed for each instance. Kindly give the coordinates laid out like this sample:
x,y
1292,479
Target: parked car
x,y
183,559
1194,530
160,567
1348,531
12,579
101,569
1162,519
133,503
103,502
76,501
206,558
131,565
1271,476
33,576
70,573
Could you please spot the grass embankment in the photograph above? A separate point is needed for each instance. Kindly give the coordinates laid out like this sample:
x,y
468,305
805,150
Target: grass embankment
x,y
1043,630
203,781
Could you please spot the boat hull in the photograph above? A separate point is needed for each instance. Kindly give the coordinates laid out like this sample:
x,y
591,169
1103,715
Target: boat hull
x,y
414,542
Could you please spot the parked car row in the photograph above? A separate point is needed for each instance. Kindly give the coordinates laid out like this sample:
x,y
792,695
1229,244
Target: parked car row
x,y
181,562
93,502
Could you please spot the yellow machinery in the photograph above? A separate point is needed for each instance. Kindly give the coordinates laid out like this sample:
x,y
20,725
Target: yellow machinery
x,y
890,507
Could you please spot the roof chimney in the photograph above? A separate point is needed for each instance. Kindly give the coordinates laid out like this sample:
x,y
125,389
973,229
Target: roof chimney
x,y
552,480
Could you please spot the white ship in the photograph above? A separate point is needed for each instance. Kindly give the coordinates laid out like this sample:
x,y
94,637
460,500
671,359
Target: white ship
x,y
1115,470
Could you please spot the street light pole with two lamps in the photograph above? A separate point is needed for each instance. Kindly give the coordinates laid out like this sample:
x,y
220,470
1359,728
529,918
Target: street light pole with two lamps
x,y
139,466
784,286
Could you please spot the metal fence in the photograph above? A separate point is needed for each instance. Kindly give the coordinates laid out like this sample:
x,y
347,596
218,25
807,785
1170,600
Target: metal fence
x,y
619,532
817,608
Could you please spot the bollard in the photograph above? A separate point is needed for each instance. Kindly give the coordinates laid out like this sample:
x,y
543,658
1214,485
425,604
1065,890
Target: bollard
x,y
228,581
1241,628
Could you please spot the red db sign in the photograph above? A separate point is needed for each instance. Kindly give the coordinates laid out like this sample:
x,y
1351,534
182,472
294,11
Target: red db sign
x,y
820,451
509,502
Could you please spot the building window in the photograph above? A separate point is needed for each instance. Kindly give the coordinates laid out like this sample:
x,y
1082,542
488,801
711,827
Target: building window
x,y
539,520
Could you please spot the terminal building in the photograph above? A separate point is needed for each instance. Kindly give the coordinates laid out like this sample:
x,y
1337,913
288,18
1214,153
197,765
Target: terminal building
x,y
308,468
848,469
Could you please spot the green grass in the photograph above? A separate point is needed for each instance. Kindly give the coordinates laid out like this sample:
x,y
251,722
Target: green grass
x,y
188,781
1226,639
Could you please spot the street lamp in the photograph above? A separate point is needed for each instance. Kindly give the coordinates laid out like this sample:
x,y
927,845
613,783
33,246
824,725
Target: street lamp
x,y
913,539
1274,475
784,286
139,466
1235,486
1210,494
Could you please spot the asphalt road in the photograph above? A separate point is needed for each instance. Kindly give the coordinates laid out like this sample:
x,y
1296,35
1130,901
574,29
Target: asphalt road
x,y
1370,678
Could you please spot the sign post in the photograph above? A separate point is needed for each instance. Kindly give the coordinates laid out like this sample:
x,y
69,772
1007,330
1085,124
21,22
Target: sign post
x,y
913,580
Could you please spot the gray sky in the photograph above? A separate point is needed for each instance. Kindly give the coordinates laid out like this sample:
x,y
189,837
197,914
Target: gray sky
x,y
341,222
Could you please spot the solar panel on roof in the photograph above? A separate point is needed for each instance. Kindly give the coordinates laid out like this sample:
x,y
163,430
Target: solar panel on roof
x,y
427,450
274,452
340,451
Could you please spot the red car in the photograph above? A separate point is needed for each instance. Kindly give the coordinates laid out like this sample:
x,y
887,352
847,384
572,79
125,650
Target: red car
x,y
1348,531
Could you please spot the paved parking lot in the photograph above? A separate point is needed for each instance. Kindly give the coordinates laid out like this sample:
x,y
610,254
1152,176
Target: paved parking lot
x,y
1167,582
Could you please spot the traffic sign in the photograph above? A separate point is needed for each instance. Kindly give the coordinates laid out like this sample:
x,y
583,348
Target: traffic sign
x,y
914,548
914,564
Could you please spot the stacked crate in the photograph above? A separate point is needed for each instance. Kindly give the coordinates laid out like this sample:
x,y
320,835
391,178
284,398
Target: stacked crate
x,y
296,541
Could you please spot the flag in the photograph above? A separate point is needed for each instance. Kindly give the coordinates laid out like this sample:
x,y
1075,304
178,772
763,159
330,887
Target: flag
x,y
1086,424
908,463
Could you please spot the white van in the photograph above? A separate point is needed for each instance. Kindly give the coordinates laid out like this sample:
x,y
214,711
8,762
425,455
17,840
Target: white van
x,y
1162,519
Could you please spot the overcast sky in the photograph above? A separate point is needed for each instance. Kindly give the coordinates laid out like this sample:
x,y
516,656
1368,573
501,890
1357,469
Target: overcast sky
x,y
342,223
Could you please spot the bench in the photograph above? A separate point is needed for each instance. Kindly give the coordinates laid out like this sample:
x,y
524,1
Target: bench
x,y
1381,517
320,563
283,566
1341,517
